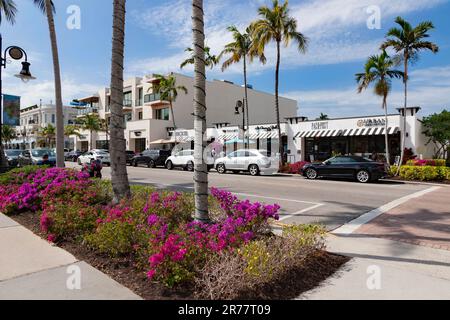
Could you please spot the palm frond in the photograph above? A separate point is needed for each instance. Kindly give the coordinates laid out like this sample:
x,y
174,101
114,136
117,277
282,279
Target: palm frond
x,y
8,8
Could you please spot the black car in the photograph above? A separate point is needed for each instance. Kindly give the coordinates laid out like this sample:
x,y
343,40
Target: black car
x,y
151,158
73,155
13,157
361,169
130,155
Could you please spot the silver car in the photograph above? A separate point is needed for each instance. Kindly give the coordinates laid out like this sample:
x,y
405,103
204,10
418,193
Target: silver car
x,y
251,160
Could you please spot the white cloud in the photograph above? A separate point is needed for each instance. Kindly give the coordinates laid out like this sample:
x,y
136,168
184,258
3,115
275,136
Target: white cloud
x,y
336,29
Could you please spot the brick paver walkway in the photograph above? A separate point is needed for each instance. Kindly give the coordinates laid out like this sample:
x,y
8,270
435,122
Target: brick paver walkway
x,y
423,221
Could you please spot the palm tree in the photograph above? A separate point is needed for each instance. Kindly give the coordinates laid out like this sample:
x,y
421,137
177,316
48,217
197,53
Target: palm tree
x,y
210,59
117,148
168,90
48,8
49,134
378,70
323,116
240,49
408,42
8,134
8,9
71,130
277,25
92,123
200,171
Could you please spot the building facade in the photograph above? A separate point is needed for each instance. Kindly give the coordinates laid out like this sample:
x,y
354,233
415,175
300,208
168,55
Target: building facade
x,y
34,118
148,117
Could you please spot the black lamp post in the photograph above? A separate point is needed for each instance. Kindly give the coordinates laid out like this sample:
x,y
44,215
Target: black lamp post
x,y
240,107
16,53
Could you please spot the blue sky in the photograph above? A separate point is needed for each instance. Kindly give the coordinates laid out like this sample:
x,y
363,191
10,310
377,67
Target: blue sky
x,y
158,31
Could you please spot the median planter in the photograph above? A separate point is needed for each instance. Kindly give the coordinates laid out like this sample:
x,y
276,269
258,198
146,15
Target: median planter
x,y
423,173
151,244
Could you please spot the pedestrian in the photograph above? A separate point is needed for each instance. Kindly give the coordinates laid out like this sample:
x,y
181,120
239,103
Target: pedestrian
x,y
96,167
46,161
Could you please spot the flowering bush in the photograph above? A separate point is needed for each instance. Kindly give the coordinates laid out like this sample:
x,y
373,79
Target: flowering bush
x,y
294,168
427,162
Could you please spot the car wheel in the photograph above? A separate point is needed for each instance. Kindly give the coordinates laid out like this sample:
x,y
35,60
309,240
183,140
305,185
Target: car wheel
x,y
254,170
169,165
134,163
221,168
311,174
151,164
363,176
190,166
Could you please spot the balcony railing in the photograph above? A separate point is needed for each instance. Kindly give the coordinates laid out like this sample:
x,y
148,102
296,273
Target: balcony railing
x,y
128,103
152,97
83,112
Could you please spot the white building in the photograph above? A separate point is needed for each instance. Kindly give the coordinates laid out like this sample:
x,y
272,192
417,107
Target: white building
x,y
148,118
34,118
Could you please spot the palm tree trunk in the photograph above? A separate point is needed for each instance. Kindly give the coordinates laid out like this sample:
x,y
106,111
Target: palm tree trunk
x,y
277,106
201,172
119,175
246,102
90,140
173,115
386,126
403,142
58,94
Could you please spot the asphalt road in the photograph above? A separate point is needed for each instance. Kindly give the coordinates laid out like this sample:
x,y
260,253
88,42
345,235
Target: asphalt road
x,y
332,203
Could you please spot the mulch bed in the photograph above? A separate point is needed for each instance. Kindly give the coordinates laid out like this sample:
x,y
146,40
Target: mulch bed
x,y
289,285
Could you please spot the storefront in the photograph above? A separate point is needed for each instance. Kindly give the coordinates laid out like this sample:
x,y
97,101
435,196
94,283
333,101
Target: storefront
x,y
362,136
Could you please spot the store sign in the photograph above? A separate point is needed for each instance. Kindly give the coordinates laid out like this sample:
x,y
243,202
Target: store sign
x,y
270,128
181,133
369,123
319,126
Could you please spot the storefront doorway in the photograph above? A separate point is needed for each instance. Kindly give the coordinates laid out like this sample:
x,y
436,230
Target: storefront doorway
x,y
139,145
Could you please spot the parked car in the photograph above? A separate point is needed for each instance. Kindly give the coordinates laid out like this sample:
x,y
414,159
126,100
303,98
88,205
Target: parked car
x,y
12,156
151,158
185,159
130,155
361,169
93,155
36,157
252,160
73,155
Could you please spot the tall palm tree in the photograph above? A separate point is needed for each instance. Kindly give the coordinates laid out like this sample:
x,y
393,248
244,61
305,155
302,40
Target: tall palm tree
x,y
8,9
240,49
275,24
200,171
71,130
91,123
119,175
210,59
168,90
408,42
378,70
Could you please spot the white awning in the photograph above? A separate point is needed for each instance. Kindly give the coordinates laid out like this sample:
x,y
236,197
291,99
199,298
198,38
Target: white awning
x,y
346,132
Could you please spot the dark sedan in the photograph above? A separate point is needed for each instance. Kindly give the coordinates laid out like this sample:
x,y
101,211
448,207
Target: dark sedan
x,y
151,158
13,157
351,167
73,156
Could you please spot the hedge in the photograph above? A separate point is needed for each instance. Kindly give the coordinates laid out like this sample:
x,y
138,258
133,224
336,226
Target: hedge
x,y
427,162
423,173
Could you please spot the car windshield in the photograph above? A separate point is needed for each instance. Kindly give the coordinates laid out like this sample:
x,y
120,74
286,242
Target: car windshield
x,y
42,152
13,153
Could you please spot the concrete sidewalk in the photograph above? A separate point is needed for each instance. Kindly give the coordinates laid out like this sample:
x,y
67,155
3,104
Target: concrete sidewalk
x,y
405,271
406,248
32,268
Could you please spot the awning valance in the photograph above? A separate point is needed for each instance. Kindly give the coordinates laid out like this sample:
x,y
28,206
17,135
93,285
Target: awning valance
x,y
346,132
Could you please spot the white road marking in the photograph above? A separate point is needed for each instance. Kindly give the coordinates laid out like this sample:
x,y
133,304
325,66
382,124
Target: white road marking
x,y
300,212
353,225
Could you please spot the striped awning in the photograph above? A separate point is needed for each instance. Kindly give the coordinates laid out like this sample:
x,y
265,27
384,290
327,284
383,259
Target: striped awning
x,y
265,135
346,132
228,136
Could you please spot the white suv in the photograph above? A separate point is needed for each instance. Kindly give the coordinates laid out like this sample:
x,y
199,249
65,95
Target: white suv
x,y
185,159
93,155
251,160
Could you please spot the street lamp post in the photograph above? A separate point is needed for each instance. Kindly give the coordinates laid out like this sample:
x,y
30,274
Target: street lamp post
x,y
240,106
16,53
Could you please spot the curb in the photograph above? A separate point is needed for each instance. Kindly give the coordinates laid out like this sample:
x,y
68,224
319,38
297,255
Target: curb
x,y
435,184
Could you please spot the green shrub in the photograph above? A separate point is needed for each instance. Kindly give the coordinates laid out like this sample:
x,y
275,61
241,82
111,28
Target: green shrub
x,y
17,176
424,173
